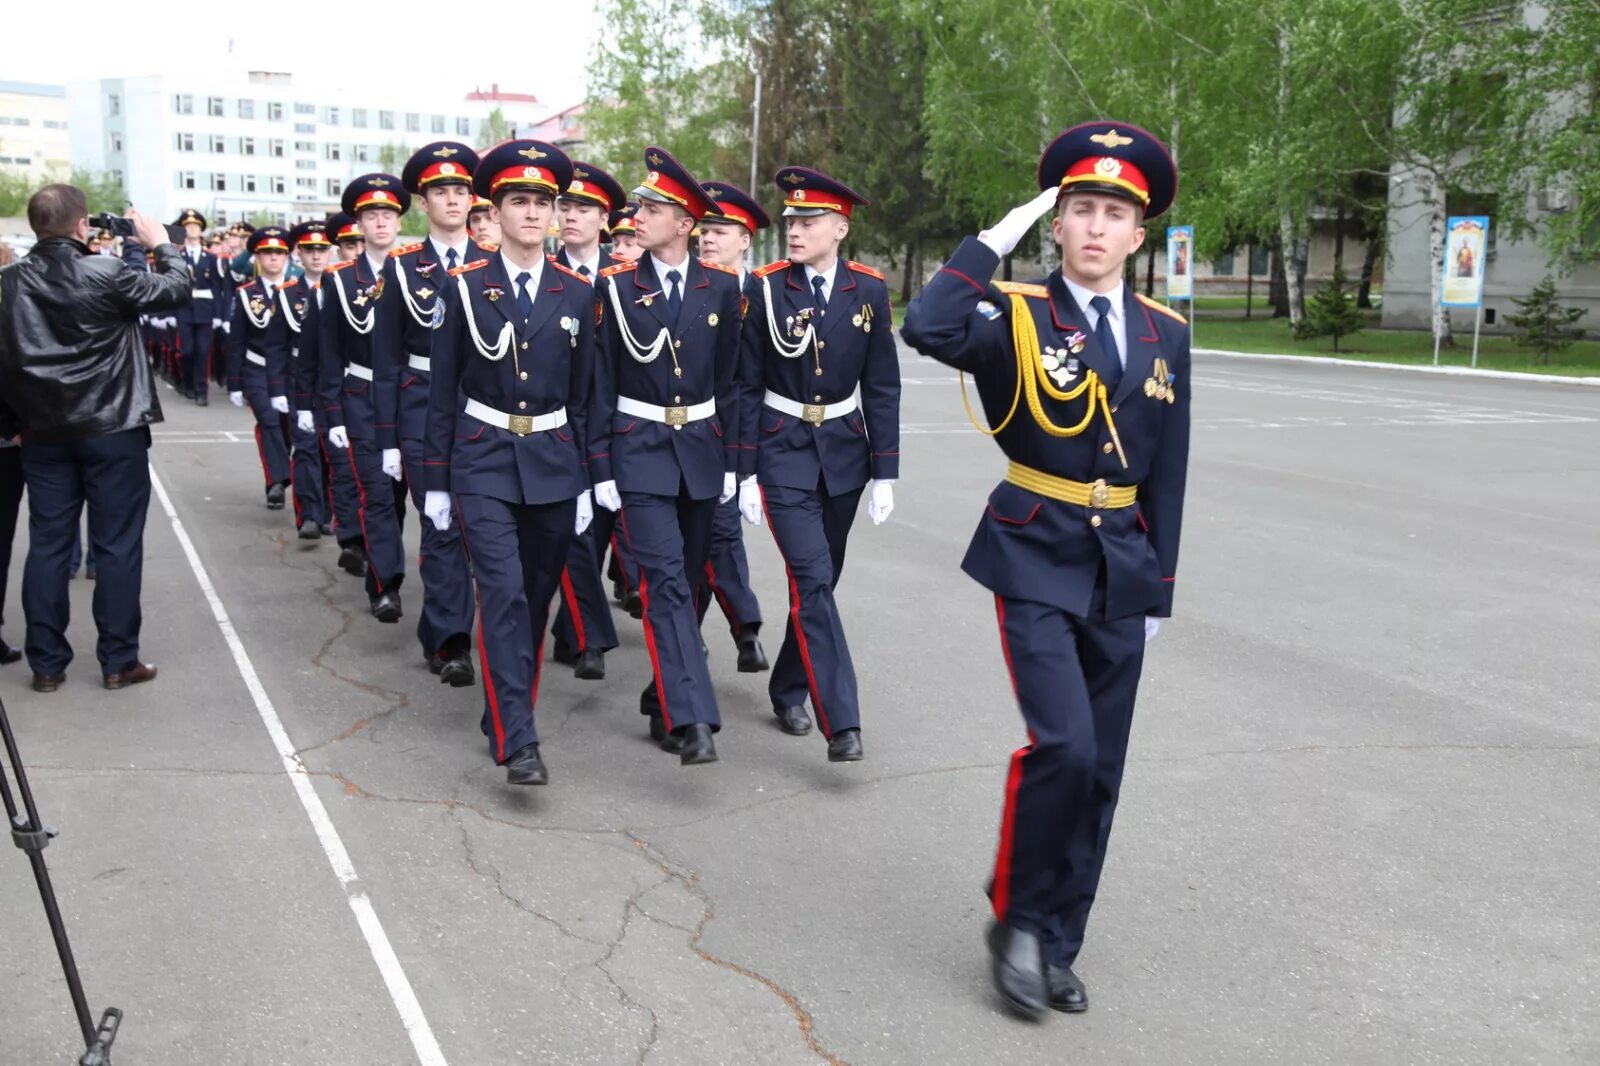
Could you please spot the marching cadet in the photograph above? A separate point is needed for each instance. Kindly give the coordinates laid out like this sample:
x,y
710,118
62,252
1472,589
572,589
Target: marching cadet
x,y
196,319
624,237
259,339
664,429
583,628
512,368
307,466
440,176
822,382
624,575
344,494
1079,543
376,202
725,235
480,223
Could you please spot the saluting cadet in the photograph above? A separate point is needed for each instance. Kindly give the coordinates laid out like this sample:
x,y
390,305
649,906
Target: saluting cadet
x,y
1079,543
440,176
195,319
624,237
376,201
665,436
821,382
725,235
307,462
513,361
259,339
583,628
344,493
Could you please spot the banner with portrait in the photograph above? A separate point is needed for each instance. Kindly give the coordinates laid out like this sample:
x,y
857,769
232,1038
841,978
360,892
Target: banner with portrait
x,y
1466,242
1180,263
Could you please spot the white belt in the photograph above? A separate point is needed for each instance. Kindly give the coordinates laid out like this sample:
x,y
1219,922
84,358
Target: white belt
x,y
521,425
815,413
356,370
257,359
200,294
676,417
420,362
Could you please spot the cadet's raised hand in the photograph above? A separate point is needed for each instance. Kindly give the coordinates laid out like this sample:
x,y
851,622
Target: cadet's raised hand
x,y
1006,234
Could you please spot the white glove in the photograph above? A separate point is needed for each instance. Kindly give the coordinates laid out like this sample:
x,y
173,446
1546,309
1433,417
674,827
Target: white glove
x,y
750,500
607,496
436,505
236,398
1152,626
585,512
304,422
1006,234
216,323
881,505
730,486
338,437
391,465
225,326
280,404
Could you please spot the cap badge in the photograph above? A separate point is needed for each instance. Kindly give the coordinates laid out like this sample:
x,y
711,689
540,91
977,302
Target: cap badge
x,y
530,152
1107,167
444,152
576,186
1111,139
447,168
654,160
799,194
793,178
377,183
530,172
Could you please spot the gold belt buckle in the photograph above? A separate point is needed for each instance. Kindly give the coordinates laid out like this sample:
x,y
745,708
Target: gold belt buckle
x,y
815,413
521,425
1099,494
677,417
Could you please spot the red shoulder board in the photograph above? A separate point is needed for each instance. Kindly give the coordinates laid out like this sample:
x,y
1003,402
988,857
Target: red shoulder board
x,y
619,268
290,283
862,268
1163,308
567,270
709,265
489,248
405,249
771,268
464,267
338,266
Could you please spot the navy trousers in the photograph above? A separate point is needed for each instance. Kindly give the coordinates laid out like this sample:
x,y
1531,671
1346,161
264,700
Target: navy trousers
x,y
669,538
583,620
272,433
727,573
112,475
604,534
1075,680
445,627
344,491
518,551
380,526
307,469
10,505
194,354
812,529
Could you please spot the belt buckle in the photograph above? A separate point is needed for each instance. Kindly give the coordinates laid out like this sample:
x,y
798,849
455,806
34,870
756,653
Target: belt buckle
x,y
521,425
677,417
1099,494
815,413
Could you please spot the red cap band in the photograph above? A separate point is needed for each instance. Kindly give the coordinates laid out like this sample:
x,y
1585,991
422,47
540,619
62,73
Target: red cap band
x,y
1108,170
525,177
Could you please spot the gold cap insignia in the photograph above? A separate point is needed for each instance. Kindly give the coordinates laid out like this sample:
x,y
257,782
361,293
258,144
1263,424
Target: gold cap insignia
x,y
655,160
531,172
530,152
444,152
576,186
579,172
1111,139
1107,167
447,168
380,196
714,193
799,194
377,183
793,179
651,178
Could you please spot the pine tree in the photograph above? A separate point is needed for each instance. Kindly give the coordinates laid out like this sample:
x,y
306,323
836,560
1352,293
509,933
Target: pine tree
x,y
1331,311
1545,325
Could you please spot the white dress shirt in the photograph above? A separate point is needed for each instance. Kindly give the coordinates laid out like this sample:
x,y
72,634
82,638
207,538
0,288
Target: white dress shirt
x,y
1119,321
441,250
661,274
827,280
578,264
512,271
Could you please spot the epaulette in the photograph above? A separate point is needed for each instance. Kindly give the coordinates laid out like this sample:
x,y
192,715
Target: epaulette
x,y
567,270
338,266
1022,288
289,283
464,267
405,249
862,268
490,248
619,268
1163,308
770,268
709,265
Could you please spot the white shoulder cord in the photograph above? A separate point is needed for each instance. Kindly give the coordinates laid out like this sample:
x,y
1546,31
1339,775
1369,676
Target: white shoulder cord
x,y
629,341
425,321
362,326
780,344
507,336
288,313
258,323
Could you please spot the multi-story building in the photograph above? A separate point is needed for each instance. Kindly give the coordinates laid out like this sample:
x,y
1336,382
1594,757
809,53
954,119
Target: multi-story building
x,y
33,130
258,145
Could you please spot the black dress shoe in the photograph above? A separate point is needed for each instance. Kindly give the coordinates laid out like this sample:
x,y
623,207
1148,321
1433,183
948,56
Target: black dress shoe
x,y
563,655
845,746
8,654
590,666
752,659
310,531
386,608
47,682
352,560
435,664
793,720
1066,991
633,604
619,591
526,768
201,401
138,675
670,743
698,747
1019,970
274,497
457,673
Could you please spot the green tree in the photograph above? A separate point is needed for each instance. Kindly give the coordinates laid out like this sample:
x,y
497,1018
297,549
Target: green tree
x,y
1545,325
496,128
1331,311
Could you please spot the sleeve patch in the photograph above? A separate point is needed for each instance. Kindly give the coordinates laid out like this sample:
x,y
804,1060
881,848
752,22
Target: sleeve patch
x,y
988,310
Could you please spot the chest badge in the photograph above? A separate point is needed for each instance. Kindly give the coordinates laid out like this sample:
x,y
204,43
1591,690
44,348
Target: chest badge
x,y
1076,342
424,292
1160,384
712,319
1060,365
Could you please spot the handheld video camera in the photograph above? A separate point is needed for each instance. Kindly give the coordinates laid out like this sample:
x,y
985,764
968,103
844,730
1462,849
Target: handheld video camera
x,y
115,224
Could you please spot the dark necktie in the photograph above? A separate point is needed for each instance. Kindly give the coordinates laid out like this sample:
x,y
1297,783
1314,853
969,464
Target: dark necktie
x,y
524,297
1103,337
674,295
450,259
818,284
584,270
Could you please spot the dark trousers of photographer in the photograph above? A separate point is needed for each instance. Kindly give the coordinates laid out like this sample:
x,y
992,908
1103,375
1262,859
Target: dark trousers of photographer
x,y
111,474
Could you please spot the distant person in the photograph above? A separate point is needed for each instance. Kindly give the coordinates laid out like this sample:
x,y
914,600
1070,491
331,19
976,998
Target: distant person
x,y
10,504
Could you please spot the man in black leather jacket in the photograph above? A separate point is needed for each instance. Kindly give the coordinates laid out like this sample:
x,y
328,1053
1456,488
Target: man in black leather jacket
x,y
75,383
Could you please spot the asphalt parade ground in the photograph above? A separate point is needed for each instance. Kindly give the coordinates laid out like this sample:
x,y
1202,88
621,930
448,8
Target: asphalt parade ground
x,y
1359,822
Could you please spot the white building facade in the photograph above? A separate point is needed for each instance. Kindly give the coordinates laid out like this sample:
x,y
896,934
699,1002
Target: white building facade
x,y
33,130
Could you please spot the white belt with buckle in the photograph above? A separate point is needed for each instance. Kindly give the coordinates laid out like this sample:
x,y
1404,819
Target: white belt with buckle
x,y
256,358
521,425
815,413
200,294
676,417
356,370
420,362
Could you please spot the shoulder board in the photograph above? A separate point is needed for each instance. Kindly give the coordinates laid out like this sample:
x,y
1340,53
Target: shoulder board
x,y
771,268
405,249
464,267
490,248
619,268
862,268
291,283
709,265
1163,308
565,269
338,266
1020,288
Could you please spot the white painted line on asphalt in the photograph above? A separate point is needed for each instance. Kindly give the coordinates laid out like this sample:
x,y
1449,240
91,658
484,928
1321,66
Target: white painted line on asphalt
x,y
1416,368
394,975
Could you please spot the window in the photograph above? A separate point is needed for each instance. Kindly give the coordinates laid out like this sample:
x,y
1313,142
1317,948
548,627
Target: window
x,y
436,123
186,179
116,178
304,146
7,120
463,127
305,127
330,115
1223,265
218,144
221,219
305,109
358,117
114,104
274,111
305,164
333,187
413,122
219,183
184,142
214,106
183,104
249,183
247,146
386,120
306,183
116,142
278,185
53,124
333,152
275,148
362,153
247,109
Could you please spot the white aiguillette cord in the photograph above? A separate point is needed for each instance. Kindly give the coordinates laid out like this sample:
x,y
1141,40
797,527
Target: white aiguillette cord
x,y
363,326
507,334
640,353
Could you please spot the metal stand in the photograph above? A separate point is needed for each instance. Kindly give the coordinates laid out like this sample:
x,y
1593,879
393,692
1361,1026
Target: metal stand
x,y
32,836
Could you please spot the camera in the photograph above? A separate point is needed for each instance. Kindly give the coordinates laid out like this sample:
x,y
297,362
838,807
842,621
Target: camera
x,y
116,224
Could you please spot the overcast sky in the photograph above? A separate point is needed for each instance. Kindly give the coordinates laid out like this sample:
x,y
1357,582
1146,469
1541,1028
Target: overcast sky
x,y
549,45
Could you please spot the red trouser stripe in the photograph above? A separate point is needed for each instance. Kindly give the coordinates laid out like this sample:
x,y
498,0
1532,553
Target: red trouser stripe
x,y
570,594
799,630
261,451
1000,893
483,653
361,513
649,630
722,600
